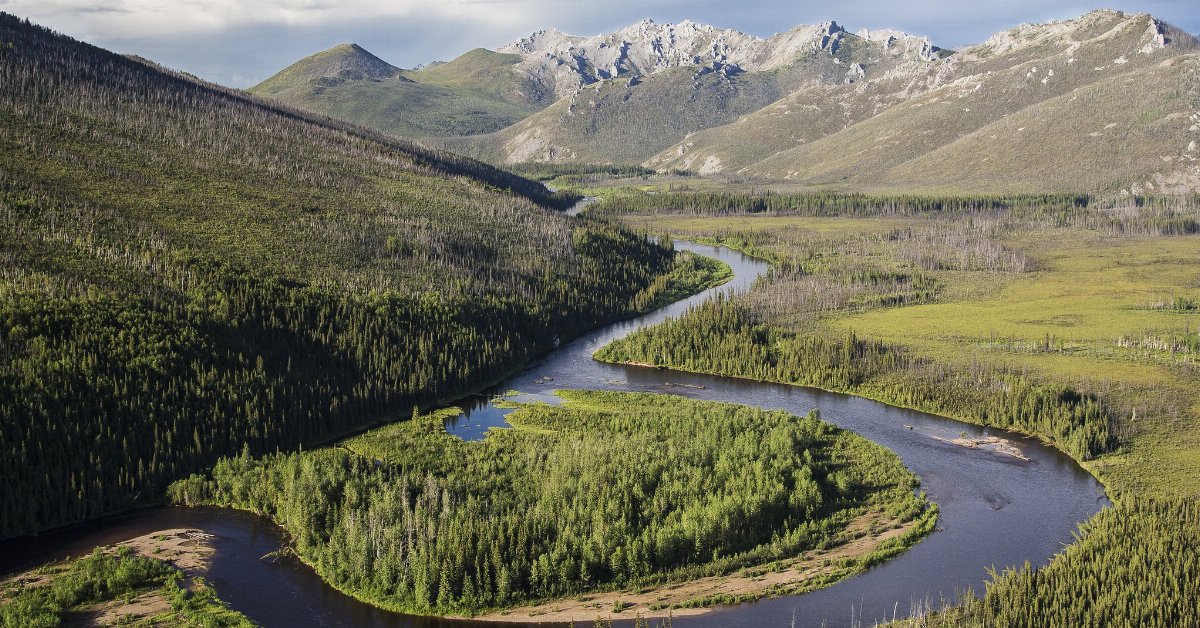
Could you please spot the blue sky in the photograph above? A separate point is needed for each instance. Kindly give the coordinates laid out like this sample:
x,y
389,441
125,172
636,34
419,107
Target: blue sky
x,y
240,42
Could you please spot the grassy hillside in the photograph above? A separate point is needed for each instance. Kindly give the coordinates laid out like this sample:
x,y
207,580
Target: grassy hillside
x,y
800,117
1098,107
185,272
628,120
1133,132
476,93
623,121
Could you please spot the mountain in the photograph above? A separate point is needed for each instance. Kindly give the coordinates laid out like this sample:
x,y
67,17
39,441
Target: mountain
x,y
188,272
1101,102
475,93
568,62
630,94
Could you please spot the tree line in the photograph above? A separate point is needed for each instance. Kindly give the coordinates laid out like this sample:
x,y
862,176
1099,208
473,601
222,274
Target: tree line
x,y
722,336
1134,564
1134,215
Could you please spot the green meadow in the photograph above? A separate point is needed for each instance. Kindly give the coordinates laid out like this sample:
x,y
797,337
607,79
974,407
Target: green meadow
x,y
1089,308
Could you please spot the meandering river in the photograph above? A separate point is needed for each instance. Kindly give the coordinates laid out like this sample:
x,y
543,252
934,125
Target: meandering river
x,y
996,510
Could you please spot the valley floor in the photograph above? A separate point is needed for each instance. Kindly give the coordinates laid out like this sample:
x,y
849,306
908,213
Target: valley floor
x,y
1096,309
1093,311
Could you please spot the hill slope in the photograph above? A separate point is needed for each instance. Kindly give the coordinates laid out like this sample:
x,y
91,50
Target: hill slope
x,y
630,94
186,272
1099,102
478,92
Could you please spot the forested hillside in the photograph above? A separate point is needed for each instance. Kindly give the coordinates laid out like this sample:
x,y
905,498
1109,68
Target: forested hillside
x,y
185,271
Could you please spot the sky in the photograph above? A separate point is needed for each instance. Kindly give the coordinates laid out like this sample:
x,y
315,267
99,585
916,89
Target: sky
x,y
241,42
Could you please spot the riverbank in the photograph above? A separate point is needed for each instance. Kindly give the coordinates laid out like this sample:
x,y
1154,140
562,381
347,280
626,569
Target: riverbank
x,y
1045,500
863,543
152,579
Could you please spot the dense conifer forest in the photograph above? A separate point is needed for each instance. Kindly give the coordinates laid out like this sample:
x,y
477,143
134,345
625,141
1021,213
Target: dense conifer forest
x,y
185,271
610,490
1157,215
1136,564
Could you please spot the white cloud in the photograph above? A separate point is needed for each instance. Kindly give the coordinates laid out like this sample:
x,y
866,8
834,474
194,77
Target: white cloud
x,y
118,17
240,42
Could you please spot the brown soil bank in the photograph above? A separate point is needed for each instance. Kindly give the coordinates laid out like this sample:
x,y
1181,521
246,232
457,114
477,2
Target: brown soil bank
x,y
811,570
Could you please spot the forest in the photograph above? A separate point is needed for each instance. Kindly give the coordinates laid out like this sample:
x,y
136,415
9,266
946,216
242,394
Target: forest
x,y
1136,564
1159,215
245,275
609,490
721,336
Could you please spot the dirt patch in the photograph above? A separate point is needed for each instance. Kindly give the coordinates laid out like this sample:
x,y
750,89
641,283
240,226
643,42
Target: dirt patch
x,y
117,612
188,550
994,444
783,577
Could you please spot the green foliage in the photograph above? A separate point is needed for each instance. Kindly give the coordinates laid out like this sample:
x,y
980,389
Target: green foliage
x,y
1136,564
105,576
1156,215
577,173
613,489
478,92
722,336
690,274
184,271
198,605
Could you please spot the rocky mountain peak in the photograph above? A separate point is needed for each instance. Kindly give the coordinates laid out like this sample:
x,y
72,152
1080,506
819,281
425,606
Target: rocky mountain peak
x,y
899,43
647,47
1117,31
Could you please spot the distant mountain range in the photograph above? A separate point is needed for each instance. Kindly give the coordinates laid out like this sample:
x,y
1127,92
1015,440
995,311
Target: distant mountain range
x,y
1107,101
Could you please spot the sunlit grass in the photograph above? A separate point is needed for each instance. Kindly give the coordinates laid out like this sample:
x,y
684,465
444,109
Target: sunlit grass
x,y
1060,322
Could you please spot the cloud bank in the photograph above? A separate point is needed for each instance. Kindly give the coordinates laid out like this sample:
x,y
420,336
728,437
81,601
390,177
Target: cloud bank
x,y
240,42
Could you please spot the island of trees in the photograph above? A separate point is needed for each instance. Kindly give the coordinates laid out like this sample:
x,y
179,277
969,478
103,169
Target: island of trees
x,y
611,490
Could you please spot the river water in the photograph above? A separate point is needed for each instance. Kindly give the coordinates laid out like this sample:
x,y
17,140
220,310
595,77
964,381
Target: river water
x,y
996,510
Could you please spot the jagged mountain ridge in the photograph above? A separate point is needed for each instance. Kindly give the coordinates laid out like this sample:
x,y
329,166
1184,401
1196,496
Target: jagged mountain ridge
x,y
483,91
1104,101
999,64
633,93
820,105
569,62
